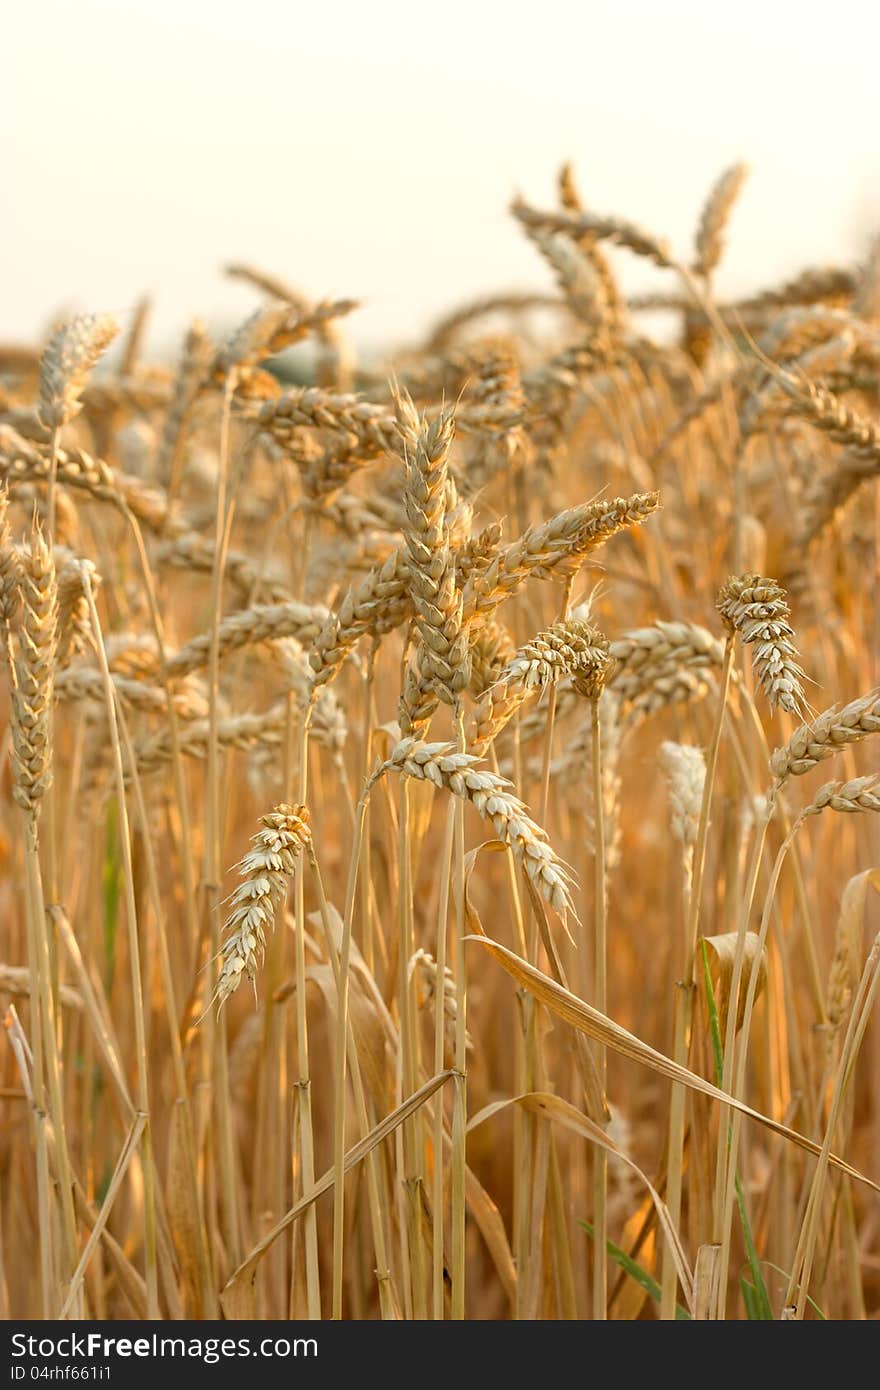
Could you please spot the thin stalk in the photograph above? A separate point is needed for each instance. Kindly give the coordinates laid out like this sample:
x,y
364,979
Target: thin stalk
x,y
523,1120
548,754
172,1016
303,1083
798,872
342,1048
730,1126
411,1132
561,1247
525,1154
367,944
458,1159
46,1012
860,1014
115,719
39,1102
684,1008
742,929
48,974
539,1206
685,991
213,835
437,1190
600,993
380,1247
53,481
180,794
275,1142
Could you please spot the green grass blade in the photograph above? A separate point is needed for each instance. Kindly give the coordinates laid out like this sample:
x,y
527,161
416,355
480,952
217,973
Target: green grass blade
x,y
635,1271
714,1025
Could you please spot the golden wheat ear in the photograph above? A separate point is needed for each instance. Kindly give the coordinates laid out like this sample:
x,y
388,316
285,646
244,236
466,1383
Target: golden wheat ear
x,y
34,674
71,353
757,608
265,872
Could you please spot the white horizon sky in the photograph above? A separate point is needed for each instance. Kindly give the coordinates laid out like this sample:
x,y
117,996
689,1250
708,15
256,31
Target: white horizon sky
x,y
372,150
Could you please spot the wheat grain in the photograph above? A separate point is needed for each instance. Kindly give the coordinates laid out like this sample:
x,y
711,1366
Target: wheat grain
x,y
423,966
154,752
858,794
190,551
613,305
822,408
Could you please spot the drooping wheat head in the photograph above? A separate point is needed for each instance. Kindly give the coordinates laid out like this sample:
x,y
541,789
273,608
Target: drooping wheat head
x,y
490,795
757,608
265,872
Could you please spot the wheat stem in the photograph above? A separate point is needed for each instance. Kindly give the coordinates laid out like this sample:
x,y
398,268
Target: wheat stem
x,y
116,719
600,994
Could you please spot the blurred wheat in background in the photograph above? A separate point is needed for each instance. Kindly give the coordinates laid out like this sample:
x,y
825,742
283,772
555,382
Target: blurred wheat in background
x,y
420,898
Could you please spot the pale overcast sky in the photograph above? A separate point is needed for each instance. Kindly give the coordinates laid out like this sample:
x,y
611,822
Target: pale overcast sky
x,y
372,149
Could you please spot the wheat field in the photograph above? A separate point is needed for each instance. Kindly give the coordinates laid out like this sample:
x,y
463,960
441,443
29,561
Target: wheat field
x,y
438,823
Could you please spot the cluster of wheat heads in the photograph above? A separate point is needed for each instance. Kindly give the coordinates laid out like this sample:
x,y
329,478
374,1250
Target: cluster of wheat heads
x,y
418,900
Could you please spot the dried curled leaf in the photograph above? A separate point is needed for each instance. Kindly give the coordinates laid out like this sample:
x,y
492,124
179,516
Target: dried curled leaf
x,y
723,948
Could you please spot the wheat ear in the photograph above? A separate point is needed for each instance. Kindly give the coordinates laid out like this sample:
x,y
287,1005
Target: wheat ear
x,y
35,673
558,546
757,608
490,795
265,870
716,212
